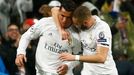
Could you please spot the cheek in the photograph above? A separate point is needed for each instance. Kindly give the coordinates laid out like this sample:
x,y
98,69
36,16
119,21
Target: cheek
x,y
9,33
69,21
60,19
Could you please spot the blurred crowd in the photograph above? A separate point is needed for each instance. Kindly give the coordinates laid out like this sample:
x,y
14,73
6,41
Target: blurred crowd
x,y
16,16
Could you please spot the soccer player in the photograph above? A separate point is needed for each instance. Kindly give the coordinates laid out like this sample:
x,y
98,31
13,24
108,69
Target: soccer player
x,y
50,43
96,39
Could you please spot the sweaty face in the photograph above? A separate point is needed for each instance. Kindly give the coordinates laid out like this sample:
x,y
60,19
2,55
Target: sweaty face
x,y
65,18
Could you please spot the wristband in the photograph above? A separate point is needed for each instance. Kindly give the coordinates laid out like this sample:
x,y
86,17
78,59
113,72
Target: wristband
x,y
77,57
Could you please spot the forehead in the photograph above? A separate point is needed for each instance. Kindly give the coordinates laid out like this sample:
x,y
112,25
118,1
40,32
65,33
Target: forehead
x,y
76,22
13,27
65,13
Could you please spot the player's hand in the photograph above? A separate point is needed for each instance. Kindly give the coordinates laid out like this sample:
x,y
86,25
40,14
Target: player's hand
x,y
55,10
67,57
20,60
65,34
62,69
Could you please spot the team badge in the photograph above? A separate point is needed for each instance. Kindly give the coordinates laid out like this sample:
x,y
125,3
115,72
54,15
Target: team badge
x,y
102,37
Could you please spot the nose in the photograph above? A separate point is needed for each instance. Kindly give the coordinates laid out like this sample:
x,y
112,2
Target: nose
x,y
64,19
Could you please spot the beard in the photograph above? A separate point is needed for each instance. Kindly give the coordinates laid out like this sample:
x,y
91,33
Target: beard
x,y
83,27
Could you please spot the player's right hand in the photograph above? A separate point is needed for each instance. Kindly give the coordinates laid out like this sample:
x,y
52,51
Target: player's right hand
x,y
20,60
62,69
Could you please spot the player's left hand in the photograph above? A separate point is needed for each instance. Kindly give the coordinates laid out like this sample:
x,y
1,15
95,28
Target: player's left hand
x,y
62,69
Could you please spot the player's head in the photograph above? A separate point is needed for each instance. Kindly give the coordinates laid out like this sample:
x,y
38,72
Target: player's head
x,y
82,18
65,13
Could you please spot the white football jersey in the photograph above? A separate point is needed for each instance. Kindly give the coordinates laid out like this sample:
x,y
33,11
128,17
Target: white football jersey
x,y
50,45
98,35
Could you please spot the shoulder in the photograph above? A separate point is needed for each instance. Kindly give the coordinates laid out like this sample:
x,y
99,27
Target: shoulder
x,y
45,19
101,25
44,22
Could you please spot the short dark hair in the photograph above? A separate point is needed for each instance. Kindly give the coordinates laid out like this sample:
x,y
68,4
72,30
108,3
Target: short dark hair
x,y
68,5
15,24
81,13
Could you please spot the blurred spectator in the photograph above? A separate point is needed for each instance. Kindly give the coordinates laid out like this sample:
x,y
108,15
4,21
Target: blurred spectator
x,y
19,9
124,66
25,5
10,45
127,6
131,72
27,24
110,17
132,1
45,9
122,23
0,38
118,22
94,10
4,15
36,5
2,52
3,70
99,3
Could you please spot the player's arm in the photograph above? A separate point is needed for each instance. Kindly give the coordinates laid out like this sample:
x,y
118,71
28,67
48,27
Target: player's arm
x,y
102,48
99,57
55,12
32,33
103,41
